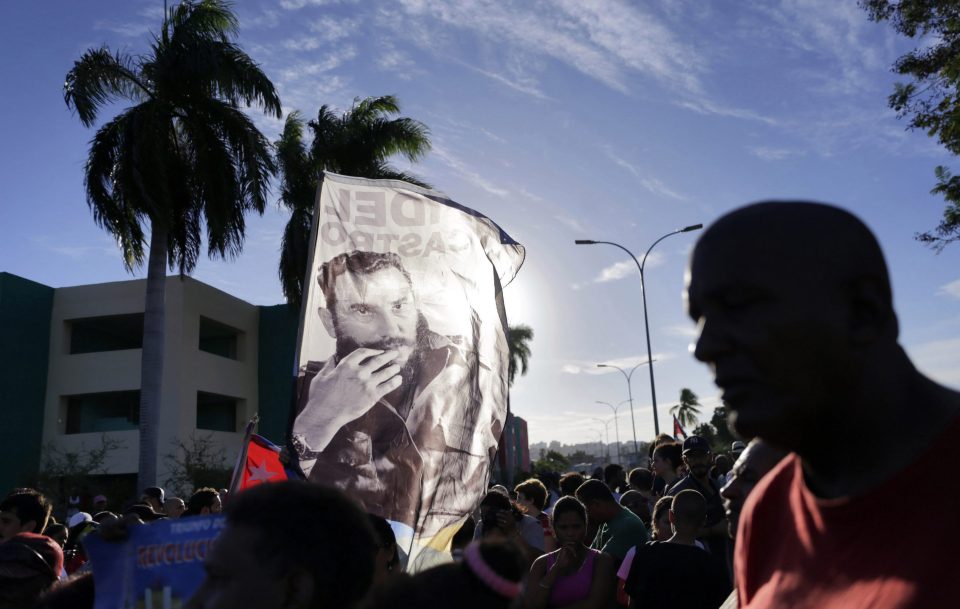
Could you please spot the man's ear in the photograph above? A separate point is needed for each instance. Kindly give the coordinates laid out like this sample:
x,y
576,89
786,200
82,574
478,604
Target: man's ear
x,y
673,519
298,590
327,318
204,511
871,314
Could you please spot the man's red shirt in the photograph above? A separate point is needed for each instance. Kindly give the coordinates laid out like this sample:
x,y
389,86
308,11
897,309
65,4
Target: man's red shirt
x,y
892,547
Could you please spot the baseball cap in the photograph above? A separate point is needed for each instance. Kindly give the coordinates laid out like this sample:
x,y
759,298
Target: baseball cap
x,y
695,443
144,512
100,498
78,518
155,492
737,446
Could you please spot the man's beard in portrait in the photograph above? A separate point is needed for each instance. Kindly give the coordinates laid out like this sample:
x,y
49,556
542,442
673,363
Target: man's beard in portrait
x,y
408,372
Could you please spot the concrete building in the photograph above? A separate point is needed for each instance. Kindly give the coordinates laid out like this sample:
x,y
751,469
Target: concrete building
x,y
71,370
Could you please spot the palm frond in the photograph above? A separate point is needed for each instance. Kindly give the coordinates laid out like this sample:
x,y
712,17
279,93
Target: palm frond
x,y
99,77
293,255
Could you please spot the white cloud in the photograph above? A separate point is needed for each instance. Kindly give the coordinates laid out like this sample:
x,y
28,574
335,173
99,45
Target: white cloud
x,y
684,331
626,268
295,5
940,359
771,154
332,30
461,169
706,107
951,289
304,43
627,363
651,184
527,86
571,223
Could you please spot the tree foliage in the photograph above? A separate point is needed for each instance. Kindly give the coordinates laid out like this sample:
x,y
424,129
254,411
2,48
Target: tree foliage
x,y
518,341
183,158
725,435
196,463
931,101
687,410
358,142
65,472
553,461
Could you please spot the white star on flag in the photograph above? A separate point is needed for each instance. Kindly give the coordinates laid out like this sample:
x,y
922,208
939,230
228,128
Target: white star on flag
x,y
260,473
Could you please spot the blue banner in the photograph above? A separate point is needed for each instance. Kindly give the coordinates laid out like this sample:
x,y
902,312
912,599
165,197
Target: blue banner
x,y
159,566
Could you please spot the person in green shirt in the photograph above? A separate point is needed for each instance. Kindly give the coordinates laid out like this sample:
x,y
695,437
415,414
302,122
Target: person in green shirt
x,y
620,529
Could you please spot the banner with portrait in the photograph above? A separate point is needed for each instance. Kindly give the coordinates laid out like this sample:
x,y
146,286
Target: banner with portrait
x,y
402,375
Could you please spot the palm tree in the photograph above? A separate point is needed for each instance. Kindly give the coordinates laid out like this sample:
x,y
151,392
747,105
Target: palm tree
x,y
358,142
183,157
688,410
518,341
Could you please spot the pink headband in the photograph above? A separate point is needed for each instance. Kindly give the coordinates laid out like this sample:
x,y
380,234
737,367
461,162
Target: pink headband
x,y
483,571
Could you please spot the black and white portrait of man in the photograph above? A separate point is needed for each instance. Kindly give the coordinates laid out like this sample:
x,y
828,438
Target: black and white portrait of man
x,y
383,417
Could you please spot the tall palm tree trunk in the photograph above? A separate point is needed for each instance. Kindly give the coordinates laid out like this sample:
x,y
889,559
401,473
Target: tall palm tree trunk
x,y
151,360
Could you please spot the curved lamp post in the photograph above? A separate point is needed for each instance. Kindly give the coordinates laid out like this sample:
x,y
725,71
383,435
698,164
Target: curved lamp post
x,y
633,424
606,426
617,423
646,322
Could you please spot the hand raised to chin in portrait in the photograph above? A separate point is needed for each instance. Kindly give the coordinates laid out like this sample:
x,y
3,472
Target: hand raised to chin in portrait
x,y
344,391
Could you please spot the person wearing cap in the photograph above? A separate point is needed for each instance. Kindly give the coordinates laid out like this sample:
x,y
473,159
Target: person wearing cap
x,y
99,504
697,458
29,565
153,496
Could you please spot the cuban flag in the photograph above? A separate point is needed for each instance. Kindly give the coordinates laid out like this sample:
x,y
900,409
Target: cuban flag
x,y
678,430
258,462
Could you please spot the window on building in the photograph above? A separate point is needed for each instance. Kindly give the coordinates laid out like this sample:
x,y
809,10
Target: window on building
x,y
98,412
108,333
217,412
219,339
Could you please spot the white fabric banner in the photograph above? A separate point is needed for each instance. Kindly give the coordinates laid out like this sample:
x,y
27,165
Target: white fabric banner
x,y
402,376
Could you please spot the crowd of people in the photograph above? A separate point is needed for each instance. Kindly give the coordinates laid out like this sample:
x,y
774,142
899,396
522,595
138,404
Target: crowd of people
x,y
795,318
555,541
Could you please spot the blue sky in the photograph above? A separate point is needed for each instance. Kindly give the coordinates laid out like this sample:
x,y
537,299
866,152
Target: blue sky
x,y
560,120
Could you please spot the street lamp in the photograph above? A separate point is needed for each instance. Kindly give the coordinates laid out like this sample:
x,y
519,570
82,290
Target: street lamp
x,y
606,425
646,322
633,424
617,426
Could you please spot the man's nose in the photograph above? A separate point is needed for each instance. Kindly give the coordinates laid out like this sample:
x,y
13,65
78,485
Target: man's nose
x,y
708,343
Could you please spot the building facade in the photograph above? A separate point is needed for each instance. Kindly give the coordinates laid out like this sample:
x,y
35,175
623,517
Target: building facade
x,y
71,371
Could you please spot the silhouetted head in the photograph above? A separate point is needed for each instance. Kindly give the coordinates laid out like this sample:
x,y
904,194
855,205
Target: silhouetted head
x,y
791,300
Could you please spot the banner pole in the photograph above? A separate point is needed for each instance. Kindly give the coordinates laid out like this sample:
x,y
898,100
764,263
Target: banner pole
x,y
242,456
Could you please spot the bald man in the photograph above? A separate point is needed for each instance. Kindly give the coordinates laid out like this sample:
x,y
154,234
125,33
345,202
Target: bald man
x,y
794,310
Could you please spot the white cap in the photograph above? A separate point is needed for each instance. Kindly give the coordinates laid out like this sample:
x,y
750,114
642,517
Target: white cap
x,y
78,518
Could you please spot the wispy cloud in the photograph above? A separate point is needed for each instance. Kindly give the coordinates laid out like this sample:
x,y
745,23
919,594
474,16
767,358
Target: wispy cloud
x,y
705,106
627,268
684,331
330,29
571,223
650,183
527,87
951,289
295,5
772,154
939,360
460,168
627,363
